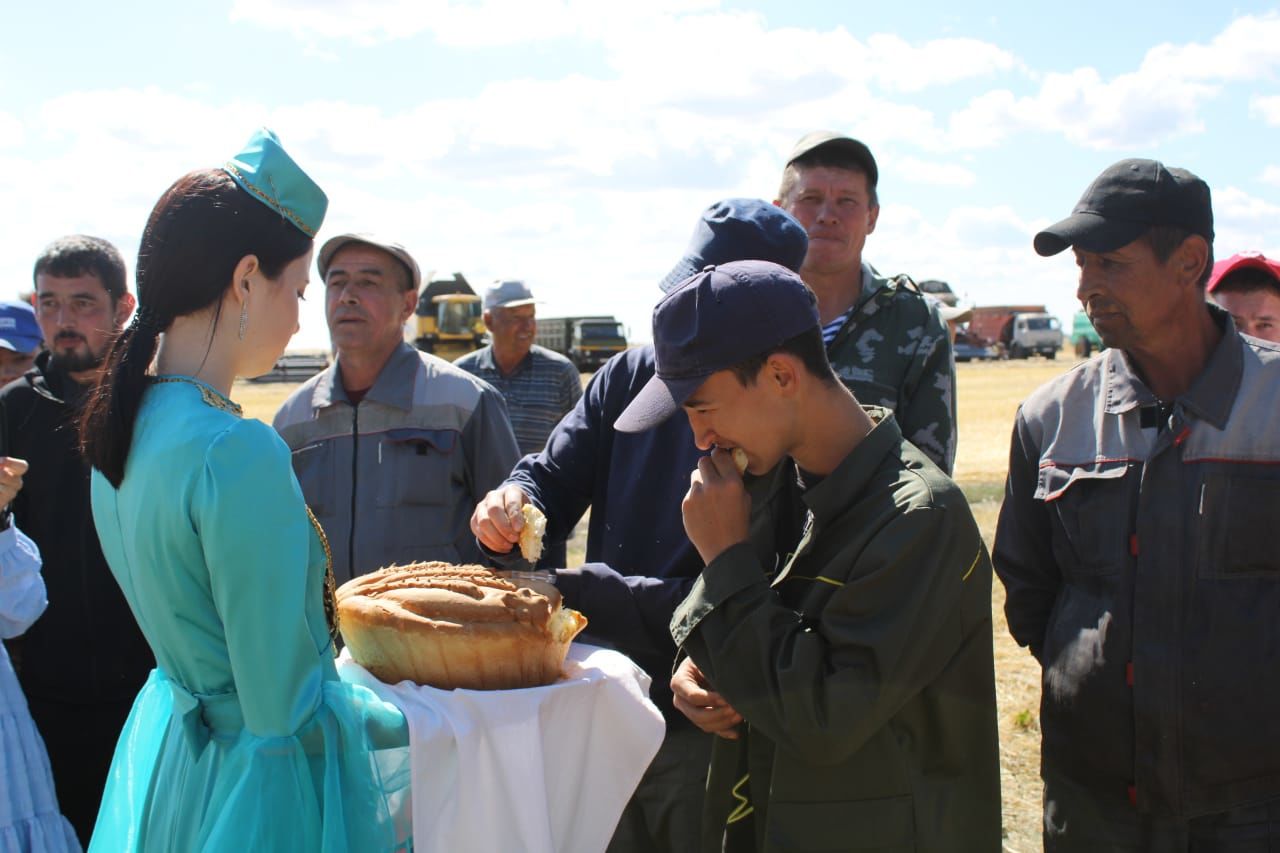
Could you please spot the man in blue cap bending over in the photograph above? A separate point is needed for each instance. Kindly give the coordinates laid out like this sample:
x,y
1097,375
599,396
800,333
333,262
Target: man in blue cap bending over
x,y
860,663
639,564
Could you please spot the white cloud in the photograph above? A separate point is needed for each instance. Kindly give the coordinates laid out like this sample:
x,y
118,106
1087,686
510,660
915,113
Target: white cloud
x,y
938,174
987,120
11,131
588,185
1243,221
461,24
1247,49
996,227
1267,108
900,66
464,188
1235,206
1131,110
1159,100
693,40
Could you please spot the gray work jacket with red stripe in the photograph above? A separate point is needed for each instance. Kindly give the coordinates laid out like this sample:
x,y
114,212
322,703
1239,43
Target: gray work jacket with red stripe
x,y
1138,547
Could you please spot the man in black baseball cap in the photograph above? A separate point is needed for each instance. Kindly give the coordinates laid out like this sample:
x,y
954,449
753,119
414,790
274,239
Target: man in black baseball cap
x,y
885,341
1134,540
850,652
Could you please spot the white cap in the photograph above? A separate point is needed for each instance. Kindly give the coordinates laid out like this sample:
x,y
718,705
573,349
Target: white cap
x,y
507,294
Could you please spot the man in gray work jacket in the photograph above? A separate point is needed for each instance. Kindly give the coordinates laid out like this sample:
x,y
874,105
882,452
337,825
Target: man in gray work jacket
x,y
1136,540
392,447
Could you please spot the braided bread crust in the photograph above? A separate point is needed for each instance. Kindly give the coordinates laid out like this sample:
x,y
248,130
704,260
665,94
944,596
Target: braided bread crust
x,y
452,626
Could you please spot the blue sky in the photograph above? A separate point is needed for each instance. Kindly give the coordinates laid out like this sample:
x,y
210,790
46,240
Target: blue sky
x,y
574,143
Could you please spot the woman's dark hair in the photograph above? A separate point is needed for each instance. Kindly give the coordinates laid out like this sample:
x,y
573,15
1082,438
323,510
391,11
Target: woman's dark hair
x,y
198,231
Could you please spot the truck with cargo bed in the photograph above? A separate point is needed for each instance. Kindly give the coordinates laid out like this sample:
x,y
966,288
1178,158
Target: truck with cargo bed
x,y
586,341
1018,331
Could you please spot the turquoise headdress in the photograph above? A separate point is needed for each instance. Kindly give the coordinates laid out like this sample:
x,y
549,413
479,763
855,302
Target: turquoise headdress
x,y
269,174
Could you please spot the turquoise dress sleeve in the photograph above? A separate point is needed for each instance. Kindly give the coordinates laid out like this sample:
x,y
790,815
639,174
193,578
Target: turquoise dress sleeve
x,y
244,738
253,528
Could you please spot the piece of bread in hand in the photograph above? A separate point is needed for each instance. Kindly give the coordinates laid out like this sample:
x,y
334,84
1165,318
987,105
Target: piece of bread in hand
x,y
535,525
740,460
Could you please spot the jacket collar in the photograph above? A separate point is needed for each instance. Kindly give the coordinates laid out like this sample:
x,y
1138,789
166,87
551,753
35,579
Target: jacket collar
x,y
1210,396
1213,393
1124,390
872,284
393,387
484,359
49,382
840,489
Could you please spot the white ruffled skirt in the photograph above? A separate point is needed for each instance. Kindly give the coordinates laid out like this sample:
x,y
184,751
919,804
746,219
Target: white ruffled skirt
x,y
29,818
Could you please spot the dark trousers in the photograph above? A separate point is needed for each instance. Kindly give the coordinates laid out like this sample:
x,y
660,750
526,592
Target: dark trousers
x,y
665,813
80,740
1078,819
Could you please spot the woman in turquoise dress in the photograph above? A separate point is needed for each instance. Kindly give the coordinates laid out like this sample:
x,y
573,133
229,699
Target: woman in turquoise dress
x,y
244,738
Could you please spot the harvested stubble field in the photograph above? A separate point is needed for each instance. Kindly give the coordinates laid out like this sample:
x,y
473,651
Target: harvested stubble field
x,y
988,395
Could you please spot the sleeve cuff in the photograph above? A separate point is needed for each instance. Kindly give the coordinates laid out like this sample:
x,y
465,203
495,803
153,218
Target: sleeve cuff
x,y
510,560
569,582
736,569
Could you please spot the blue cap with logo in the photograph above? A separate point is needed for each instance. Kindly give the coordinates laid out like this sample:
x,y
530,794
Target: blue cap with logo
x,y
735,229
714,320
19,330
265,171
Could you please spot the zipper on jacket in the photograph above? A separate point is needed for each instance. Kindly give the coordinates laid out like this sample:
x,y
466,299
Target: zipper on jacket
x,y
86,608
355,468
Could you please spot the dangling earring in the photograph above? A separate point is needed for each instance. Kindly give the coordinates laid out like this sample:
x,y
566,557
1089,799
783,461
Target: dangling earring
x,y
244,312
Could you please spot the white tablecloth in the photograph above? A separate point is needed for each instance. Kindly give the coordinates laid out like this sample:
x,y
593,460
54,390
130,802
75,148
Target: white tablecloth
x,y
542,770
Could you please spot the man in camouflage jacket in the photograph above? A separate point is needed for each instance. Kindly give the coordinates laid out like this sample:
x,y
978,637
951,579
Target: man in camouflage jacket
x,y
884,339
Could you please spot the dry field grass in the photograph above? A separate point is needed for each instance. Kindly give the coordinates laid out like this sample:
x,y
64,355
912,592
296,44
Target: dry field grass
x,y
988,396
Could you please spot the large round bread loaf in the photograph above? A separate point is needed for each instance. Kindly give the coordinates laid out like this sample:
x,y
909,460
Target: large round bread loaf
x,y
456,626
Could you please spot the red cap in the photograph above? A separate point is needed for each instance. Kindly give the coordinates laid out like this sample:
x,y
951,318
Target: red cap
x,y
1244,260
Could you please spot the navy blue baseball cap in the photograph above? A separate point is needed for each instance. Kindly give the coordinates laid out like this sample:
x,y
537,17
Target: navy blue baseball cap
x,y
738,229
19,330
713,320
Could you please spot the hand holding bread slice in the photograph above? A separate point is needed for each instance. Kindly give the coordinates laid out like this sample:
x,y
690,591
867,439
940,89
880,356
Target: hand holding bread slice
x,y
535,527
505,518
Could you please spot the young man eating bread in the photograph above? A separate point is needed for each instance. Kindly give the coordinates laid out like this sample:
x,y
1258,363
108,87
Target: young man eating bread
x,y
851,679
